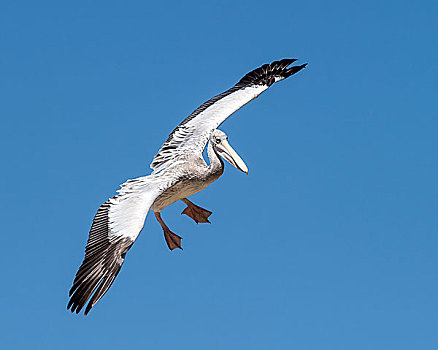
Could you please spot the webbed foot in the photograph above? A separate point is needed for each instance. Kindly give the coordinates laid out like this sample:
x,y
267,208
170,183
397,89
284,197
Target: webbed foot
x,y
173,240
198,214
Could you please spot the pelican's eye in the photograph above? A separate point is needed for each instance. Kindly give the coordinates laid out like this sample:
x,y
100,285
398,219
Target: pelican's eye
x,y
218,141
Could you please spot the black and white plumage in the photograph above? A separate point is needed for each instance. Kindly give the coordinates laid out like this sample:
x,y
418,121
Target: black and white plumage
x,y
193,133
179,171
115,227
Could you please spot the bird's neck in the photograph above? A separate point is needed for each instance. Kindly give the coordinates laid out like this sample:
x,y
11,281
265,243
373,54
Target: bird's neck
x,y
216,166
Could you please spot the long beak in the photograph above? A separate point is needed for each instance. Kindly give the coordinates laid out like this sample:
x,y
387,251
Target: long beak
x,y
232,157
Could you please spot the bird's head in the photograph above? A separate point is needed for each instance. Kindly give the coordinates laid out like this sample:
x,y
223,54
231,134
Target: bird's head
x,y
219,142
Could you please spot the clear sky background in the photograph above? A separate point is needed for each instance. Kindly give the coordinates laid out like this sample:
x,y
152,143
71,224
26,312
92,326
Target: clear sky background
x,y
331,240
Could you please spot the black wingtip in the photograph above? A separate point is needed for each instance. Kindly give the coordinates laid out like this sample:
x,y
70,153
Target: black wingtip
x,y
293,70
87,310
269,73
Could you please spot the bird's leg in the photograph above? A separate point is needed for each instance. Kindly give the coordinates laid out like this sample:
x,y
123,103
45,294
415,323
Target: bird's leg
x,y
173,240
196,212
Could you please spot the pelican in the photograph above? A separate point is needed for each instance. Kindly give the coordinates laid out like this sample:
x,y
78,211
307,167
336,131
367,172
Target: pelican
x,y
179,171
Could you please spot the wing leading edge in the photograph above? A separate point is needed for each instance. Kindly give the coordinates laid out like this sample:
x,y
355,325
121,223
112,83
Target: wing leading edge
x,y
115,228
192,134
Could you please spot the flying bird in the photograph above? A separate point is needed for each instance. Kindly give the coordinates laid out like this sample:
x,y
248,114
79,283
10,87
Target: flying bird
x,y
179,171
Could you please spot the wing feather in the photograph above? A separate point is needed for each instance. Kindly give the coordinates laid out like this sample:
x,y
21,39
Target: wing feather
x,y
115,228
193,133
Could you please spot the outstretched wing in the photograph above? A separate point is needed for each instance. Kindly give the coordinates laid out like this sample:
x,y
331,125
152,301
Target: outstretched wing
x,y
115,227
193,133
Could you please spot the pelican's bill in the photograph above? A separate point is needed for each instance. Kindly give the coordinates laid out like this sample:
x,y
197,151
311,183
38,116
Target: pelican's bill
x,y
231,156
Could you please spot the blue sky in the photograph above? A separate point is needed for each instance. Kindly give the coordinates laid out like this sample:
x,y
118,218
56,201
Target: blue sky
x,y
331,240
